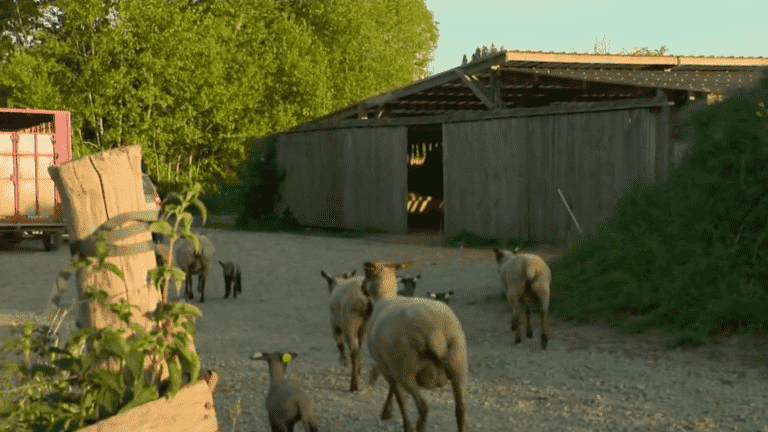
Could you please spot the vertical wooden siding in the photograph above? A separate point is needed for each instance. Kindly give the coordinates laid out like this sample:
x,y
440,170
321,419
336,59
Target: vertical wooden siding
x,y
502,175
375,177
313,187
346,178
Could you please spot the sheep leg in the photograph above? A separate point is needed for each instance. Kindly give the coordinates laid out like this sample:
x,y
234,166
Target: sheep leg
x,y
238,285
412,388
279,427
386,413
354,351
400,397
188,286
227,283
457,383
338,336
516,318
528,331
201,286
544,326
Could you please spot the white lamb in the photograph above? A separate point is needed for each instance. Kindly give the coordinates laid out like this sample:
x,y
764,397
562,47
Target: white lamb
x,y
416,343
350,310
525,278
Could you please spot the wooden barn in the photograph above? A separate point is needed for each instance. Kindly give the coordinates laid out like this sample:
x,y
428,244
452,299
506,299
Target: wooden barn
x,y
496,147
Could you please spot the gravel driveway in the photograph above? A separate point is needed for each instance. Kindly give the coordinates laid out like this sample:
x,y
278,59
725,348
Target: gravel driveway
x,y
591,378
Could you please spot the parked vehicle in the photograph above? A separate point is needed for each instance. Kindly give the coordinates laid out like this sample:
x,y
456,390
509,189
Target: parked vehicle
x,y
30,206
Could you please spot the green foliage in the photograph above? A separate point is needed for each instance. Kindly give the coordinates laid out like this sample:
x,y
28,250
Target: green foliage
x,y
193,82
688,254
68,388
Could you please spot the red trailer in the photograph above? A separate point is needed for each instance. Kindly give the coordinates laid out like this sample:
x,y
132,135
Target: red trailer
x,y
30,206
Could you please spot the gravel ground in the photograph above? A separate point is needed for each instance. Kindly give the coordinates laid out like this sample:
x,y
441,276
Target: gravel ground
x,y
591,378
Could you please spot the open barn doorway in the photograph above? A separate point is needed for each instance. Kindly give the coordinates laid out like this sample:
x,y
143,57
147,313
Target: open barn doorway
x,y
425,178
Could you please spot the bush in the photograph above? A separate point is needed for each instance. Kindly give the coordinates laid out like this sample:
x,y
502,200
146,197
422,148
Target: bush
x,y
690,254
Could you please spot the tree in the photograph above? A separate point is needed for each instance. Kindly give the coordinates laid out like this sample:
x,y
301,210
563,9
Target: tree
x,y
193,82
483,53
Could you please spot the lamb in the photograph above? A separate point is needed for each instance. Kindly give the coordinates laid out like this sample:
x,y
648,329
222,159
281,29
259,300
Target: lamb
x,y
416,343
286,401
232,274
444,297
410,285
193,262
526,278
350,310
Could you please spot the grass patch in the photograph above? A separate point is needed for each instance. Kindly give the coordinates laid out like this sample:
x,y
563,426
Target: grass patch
x,y
689,255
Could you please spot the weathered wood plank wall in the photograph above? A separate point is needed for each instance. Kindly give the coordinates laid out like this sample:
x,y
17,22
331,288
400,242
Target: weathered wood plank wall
x,y
375,178
346,178
502,175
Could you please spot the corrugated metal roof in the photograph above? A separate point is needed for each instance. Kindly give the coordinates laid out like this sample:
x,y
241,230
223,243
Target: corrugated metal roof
x,y
524,79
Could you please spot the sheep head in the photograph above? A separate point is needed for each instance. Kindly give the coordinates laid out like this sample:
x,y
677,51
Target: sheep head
x,y
333,279
381,279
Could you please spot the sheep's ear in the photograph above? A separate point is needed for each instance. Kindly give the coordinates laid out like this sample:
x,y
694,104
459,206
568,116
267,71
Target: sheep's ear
x,y
325,276
352,273
257,356
517,249
499,254
433,295
400,279
222,264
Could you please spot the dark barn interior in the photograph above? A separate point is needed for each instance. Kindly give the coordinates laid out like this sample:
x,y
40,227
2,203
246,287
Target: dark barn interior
x,y
425,178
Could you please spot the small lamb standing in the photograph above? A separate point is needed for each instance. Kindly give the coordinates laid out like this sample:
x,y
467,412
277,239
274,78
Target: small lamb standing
x,y
409,284
350,311
232,274
286,401
525,278
444,297
193,262
416,343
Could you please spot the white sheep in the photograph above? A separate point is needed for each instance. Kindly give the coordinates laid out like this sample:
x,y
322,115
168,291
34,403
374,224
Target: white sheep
x,y
193,262
416,343
232,274
350,310
525,278
409,284
286,401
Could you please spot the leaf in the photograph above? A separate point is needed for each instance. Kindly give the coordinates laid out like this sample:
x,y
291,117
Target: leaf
x,y
141,394
175,378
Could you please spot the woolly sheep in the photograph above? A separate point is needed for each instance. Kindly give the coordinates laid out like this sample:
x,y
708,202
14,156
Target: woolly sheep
x,y
232,274
350,310
286,401
410,285
193,262
416,343
444,297
525,278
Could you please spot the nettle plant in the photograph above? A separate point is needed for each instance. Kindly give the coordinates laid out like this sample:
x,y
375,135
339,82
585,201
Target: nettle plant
x,y
64,389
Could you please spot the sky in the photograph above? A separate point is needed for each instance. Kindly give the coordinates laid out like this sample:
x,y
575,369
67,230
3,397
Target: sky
x,y
687,27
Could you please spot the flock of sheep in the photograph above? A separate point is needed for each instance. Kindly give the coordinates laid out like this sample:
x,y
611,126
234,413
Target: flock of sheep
x,y
415,342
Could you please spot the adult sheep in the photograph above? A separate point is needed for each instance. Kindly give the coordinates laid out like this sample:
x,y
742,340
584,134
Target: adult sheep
x,y
416,343
350,310
525,278
194,262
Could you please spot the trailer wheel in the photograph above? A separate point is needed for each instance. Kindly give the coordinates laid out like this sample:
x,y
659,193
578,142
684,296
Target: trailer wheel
x,y
52,241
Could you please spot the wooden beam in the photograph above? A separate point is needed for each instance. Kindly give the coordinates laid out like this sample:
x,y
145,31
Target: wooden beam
x,y
477,88
487,115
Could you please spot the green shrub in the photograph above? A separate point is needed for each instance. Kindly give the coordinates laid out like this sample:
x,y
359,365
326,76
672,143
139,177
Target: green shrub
x,y
689,254
66,388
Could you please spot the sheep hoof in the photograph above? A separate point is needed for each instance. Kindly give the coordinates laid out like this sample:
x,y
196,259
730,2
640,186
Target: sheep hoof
x,y
544,341
386,414
518,340
529,333
353,387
